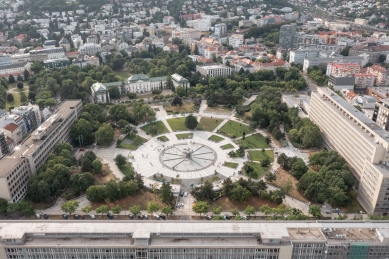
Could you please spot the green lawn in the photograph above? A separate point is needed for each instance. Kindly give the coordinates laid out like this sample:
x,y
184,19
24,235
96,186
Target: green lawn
x,y
127,169
258,169
163,138
227,146
208,124
257,155
184,135
177,124
136,142
233,128
161,128
123,74
215,138
254,141
232,165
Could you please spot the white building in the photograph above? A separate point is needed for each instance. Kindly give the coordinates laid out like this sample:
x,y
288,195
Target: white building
x,y
140,83
90,49
100,93
213,70
236,40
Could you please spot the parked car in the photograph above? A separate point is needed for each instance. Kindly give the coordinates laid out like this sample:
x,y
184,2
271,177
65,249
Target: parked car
x,y
179,205
131,216
92,216
109,215
162,216
76,216
65,216
225,216
244,217
45,216
185,194
157,217
38,216
208,217
181,194
140,216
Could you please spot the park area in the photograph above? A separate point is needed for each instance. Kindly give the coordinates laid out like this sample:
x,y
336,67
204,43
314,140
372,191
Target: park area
x,y
254,141
163,138
177,124
184,135
126,169
258,155
131,142
186,107
258,170
159,125
234,129
231,165
218,110
227,146
208,124
228,205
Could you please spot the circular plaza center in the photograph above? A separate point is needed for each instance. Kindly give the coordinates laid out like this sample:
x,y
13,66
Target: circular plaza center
x,y
188,157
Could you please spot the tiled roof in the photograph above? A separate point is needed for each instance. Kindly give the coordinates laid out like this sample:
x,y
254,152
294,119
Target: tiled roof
x,y
11,127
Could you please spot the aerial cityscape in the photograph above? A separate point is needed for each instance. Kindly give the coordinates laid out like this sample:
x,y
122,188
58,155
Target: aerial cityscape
x,y
191,129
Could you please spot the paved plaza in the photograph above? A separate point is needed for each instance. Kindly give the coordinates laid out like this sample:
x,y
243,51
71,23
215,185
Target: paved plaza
x,y
189,158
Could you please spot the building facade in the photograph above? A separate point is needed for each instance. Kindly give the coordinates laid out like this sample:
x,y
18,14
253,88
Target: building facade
x,y
381,113
362,143
194,240
213,70
14,69
30,114
56,63
140,83
90,49
342,69
288,36
100,93
35,150
381,75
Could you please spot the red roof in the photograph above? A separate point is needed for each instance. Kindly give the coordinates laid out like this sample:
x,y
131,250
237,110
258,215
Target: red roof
x,y
11,127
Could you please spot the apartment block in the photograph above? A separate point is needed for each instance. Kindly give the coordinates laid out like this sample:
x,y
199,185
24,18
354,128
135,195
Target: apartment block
x,y
361,141
35,150
213,70
288,36
381,113
381,75
342,69
362,81
194,240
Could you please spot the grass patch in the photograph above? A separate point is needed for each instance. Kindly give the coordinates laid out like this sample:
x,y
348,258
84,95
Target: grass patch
x,y
257,155
218,109
161,128
215,138
283,143
227,146
354,206
177,124
208,124
163,138
258,170
211,179
231,165
15,103
254,141
123,74
127,169
234,129
136,142
184,135
185,108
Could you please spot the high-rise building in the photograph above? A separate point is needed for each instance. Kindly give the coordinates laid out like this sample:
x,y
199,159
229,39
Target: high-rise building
x,y
362,142
288,36
194,240
220,29
18,166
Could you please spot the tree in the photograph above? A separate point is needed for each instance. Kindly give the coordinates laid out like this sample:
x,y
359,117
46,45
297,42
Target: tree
x,y
86,209
23,207
3,206
70,206
36,67
381,58
104,135
299,168
216,211
167,210
287,187
315,211
152,207
81,182
117,209
10,98
82,132
23,97
19,85
134,210
267,139
235,212
103,209
201,207
122,123
11,79
3,97
97,166
239,193
153,130
177,101
249,210
26,74
270,177
120,160
114,92
191,122
265,162
166,193
96,193
265,209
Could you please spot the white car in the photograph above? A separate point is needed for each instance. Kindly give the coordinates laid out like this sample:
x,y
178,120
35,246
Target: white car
x,y
185,194
92,216
179,205
157,217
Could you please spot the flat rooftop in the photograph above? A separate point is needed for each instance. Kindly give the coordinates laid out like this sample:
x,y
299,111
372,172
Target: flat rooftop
x,y
352,235
205,241
313,234
29,145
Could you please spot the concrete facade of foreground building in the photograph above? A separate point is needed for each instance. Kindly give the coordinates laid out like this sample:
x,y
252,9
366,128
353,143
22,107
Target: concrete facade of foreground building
x,y
194,240
362,142
19,165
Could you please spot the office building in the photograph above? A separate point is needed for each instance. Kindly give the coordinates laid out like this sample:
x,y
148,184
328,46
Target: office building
x,y
288,36
35,150
362,143
220,29
341,82
298,56
213,70
327,57
194,240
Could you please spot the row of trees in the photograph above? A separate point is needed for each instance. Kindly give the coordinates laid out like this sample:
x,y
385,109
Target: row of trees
x,y
24,208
